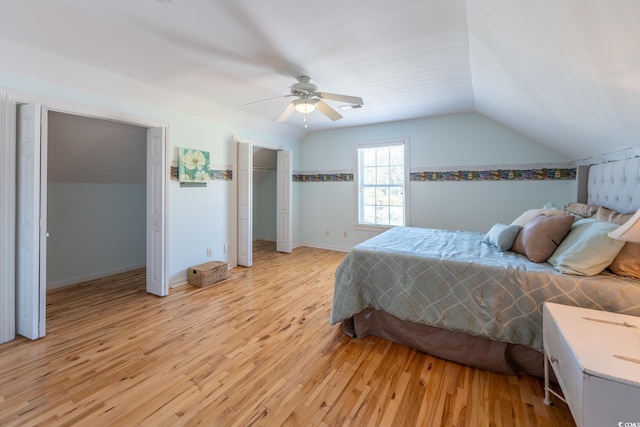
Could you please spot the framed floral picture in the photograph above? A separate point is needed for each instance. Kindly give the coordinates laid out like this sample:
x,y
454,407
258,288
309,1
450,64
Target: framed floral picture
x,y
193,165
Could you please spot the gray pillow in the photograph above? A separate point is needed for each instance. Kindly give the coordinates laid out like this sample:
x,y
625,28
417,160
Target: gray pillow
x,y
541,236
502,236
587,249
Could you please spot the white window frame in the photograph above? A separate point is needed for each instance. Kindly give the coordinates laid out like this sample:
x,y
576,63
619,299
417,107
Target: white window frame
x,y
407,205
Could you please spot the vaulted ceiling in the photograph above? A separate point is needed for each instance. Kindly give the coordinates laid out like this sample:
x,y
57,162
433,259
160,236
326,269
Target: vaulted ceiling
x,y
565,73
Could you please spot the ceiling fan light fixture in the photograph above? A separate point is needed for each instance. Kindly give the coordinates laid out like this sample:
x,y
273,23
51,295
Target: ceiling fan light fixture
x,y
305,106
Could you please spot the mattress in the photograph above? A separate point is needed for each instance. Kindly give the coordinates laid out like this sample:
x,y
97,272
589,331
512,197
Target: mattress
x,y
451,280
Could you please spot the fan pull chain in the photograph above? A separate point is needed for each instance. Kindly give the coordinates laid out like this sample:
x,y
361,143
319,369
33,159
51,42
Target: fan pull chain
x,y
305,120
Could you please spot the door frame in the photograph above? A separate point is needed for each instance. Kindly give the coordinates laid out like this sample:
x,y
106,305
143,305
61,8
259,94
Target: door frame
x,y
31,220
284,223
9,99
233,258
244,236
7,217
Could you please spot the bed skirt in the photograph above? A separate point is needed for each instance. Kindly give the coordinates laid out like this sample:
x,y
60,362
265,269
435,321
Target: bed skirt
x,y
477,352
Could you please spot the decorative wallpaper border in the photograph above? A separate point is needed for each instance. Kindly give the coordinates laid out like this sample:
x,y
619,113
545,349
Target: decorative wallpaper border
x,y
525,172
479,173
214,174
323,177
538,174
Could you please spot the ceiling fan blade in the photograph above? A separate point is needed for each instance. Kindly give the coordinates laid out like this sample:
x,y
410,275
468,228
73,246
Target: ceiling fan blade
x,y
265,100
342,98
328,111
286,113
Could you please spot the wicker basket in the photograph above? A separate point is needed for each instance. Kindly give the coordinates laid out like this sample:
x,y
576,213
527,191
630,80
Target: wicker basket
x,y
208,273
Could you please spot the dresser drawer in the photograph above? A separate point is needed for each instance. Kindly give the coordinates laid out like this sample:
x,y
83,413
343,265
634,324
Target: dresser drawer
x,y
596,358
565,365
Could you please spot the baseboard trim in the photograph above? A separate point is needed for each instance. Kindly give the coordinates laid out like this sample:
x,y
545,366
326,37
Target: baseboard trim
x,y
177,284
74,281
330,248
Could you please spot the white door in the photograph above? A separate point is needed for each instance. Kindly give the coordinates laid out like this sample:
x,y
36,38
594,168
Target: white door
x,y
156,277
31,275
283,196
245,204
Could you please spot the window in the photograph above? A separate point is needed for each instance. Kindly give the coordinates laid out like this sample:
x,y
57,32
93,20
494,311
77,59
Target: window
x,y
382,195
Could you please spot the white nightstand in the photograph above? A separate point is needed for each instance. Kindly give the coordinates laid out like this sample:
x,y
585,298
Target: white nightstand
x,y
596,358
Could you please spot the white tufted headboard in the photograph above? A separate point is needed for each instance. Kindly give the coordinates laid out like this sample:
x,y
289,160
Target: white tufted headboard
x,y
615,185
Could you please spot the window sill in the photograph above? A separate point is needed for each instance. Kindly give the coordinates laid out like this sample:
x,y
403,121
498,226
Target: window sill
x,y
371,227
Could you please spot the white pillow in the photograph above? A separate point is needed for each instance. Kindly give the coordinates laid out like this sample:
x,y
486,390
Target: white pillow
x,y
502,236
587,250
551,205
528,215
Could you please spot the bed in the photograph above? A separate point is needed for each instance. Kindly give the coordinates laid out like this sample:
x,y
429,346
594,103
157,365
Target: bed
x,y
452,295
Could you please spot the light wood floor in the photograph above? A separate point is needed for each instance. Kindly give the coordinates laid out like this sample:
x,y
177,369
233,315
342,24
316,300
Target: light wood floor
x,y
256,349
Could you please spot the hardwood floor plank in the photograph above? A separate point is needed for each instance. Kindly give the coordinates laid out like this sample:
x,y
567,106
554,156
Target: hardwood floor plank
x,y
253,350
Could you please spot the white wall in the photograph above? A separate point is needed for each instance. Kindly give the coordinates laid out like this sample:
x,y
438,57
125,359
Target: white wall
x,y
96,229
198,218
446,141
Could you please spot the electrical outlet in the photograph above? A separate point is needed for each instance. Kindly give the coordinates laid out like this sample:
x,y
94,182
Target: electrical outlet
x,y
209,252
344,234
326,232
226,248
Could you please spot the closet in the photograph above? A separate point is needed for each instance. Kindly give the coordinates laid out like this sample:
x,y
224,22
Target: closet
x,y
264,194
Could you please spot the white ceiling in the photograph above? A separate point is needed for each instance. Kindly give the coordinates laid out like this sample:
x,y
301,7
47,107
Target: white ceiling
x,y
566,73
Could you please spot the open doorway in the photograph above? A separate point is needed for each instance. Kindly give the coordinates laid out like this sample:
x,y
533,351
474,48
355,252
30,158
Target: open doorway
x,y
23,301
264,198
96,198
244,195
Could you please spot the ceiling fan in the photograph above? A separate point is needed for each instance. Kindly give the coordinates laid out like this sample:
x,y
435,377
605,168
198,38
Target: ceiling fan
x,y
309,99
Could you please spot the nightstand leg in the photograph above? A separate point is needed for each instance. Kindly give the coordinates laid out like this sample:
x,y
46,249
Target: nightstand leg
x,y
547,401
